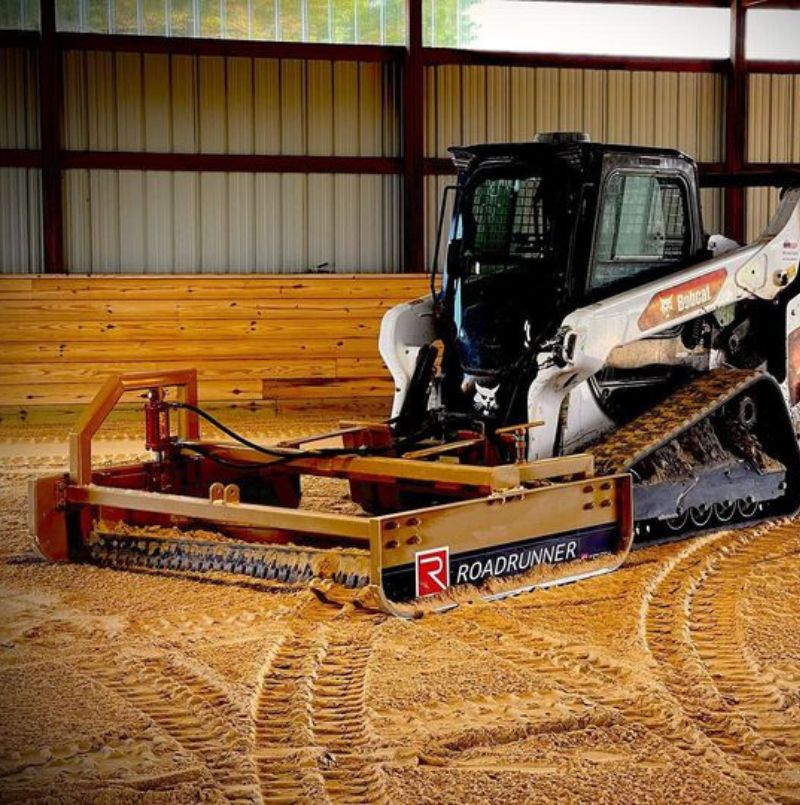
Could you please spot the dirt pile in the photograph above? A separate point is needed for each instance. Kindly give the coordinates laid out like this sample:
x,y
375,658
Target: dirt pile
x,y
676,679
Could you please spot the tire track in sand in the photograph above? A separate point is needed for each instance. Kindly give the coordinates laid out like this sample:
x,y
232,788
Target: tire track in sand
x,y
190,711
598,678
718,635
311,738
349,771
666,619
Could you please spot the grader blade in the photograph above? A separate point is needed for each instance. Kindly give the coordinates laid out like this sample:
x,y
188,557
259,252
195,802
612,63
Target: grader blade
x,y
448,527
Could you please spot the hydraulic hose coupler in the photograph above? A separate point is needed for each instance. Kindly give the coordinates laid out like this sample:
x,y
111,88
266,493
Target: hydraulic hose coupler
x,y
156,422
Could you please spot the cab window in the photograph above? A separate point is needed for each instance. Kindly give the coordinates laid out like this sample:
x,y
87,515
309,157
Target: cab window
x,y
643,229
510,226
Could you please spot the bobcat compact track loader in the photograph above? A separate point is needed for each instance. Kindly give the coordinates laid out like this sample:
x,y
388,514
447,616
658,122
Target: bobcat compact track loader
x,y
583,339
579,292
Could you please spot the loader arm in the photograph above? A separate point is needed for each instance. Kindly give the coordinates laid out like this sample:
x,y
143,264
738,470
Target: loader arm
x,y
589,335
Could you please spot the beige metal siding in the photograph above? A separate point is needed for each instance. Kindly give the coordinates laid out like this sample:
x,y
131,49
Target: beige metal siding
x,y
479,104
495,104
773,135
20,188
19,112
712,202
20,221
165,222
172,222
218,105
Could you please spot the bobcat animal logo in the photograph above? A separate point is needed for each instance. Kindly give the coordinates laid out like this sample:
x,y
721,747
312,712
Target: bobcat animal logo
x,y
433,571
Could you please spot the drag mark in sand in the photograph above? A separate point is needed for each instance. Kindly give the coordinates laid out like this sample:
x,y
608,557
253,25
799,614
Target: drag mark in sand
x,y
185,708
613,691
687,595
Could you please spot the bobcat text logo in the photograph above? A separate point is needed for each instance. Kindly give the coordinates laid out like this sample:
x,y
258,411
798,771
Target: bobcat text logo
x,y
433,571
686,301
683,298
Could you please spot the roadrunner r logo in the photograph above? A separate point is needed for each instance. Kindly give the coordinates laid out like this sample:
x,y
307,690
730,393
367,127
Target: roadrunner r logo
x,y
433,571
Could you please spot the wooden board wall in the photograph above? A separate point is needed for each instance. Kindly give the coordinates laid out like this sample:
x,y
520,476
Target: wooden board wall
x,y
251,338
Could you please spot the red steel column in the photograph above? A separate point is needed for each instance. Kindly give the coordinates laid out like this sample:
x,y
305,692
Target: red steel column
x,y
413,142
736,123
50,140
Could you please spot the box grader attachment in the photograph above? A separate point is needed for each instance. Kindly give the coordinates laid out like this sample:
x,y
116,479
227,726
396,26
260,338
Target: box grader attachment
x,y
441,519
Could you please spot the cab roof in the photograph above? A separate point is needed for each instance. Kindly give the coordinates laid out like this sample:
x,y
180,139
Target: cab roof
x,y
585,152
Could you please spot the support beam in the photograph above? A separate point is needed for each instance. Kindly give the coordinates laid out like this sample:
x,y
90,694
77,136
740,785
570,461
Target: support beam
x,y
736,123
413,142
50,138
773,67
570,60
131,43
227,163
20,158
19,39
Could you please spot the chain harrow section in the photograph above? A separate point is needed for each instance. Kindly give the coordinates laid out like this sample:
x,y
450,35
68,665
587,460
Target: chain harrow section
x,y
288,564
687,407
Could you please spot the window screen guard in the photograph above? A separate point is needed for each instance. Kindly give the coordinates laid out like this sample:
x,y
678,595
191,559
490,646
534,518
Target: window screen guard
x,y
643,224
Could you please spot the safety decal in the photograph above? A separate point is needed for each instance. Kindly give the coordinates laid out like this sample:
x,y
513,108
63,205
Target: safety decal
x,y
672,303
432,570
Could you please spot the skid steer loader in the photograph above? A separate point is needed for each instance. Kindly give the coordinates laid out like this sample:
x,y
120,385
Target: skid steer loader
x,y
579,292
587,365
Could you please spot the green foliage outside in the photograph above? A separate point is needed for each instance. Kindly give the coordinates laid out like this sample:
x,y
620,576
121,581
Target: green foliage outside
x,y
19,15
446,22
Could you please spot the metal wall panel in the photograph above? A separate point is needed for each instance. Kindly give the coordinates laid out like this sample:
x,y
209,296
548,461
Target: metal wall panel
x,y
162,222
19,102
20,221
173,222
712,203
773,135
20,188
474,104
218,105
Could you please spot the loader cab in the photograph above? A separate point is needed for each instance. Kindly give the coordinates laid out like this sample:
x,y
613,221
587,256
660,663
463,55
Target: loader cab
x,y
540,229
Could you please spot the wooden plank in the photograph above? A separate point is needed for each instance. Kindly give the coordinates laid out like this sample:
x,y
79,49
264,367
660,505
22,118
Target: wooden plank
x,y
70,393
386,296
76,309
197,330
60,417
363,286
184,350
322,388
360,367
288,282
16,284
219,369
